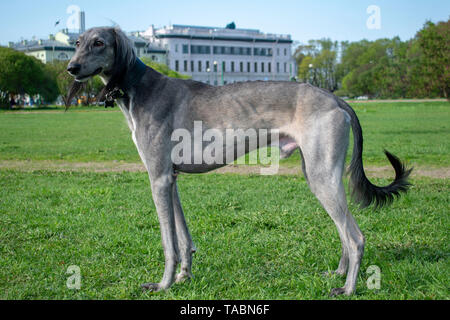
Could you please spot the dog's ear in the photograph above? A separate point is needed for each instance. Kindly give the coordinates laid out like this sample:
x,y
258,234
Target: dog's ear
x,y
73,90
124,57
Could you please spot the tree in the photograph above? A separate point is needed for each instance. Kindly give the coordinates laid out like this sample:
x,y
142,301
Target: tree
x,y
317,63
61,76
22,74
163,69
434,40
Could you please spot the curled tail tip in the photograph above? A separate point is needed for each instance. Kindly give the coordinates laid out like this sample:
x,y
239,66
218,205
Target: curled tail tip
x,y
402,173
365,193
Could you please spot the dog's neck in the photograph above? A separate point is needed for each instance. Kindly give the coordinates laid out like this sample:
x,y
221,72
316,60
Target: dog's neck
x,y
133,76
129,80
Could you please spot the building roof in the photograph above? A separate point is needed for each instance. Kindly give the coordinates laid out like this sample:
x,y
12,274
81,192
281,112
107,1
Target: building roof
x,y
155,49
39,45
215,33
67,37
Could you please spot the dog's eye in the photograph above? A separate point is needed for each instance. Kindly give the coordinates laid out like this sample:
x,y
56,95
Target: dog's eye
x,y
77,44
98,44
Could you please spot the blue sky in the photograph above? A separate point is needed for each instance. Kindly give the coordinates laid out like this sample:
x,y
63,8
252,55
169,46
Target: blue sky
x,y
304,20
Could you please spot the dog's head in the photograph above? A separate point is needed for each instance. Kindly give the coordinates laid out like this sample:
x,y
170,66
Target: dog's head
x,y
100,50
104,50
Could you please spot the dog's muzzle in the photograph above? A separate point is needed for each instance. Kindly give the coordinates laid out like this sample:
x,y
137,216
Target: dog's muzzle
x,y
74,70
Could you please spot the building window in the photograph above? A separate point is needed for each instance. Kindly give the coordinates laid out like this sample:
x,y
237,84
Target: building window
x,y
177,65
224,65
262,67
199,66
264,52
207,66
285,67
200,50
215,66
278,51
269,67
192,66
232,66
176,48
256,67
278,67
248,66
63,56
285,51
185,66
230,50
241,67
185,48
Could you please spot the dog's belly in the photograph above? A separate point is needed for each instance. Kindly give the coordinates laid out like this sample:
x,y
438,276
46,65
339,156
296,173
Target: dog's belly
x,y
213,157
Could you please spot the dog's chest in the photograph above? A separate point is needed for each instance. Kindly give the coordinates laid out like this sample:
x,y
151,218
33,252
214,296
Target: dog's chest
x,y
132,124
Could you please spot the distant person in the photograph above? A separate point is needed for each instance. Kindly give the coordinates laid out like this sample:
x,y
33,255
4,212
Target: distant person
x,y
12,103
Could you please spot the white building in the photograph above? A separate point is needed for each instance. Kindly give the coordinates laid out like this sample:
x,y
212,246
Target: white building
x,y
144,49
225,55
45,50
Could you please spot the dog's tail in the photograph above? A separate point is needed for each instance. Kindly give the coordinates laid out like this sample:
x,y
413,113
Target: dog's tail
x,y
363,191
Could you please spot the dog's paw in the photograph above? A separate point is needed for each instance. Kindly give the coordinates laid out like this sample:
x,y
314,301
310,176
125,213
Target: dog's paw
x,y
151,287
337,292
183,277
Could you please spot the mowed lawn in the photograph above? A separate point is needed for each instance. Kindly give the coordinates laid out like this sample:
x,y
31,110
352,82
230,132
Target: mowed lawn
x,y
417,132
258,237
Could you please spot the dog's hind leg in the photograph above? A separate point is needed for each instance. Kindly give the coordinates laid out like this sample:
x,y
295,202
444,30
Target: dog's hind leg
x,y
343,263
324,149
185,244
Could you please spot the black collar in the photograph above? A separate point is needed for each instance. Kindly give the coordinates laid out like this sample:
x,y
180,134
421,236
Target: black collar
x,y
132,77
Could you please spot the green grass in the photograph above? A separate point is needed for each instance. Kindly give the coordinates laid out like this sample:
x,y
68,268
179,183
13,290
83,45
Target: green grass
x,y
418,132
258,237
254,241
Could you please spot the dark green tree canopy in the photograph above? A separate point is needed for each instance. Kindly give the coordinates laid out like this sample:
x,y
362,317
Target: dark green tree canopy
x,y
22,74
385,68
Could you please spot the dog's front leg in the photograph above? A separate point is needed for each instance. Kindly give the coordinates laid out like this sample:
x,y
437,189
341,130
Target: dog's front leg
x,y
162,190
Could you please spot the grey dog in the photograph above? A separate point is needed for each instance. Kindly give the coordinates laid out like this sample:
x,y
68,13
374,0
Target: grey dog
x,y
307,118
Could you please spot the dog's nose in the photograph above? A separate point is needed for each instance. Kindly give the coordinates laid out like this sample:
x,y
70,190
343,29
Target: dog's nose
x,y
74,68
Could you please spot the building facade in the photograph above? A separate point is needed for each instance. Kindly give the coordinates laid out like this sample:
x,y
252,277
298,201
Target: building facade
x,y
223,55
144,49
45,50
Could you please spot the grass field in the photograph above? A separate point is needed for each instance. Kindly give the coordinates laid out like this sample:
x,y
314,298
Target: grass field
x,y
417,132
258,237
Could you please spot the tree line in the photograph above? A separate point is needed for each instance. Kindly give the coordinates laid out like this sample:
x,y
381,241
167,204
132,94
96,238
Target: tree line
x,y
22,75
385,68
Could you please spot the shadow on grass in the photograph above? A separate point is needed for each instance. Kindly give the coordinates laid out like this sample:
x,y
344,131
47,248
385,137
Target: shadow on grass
x,y
414,252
